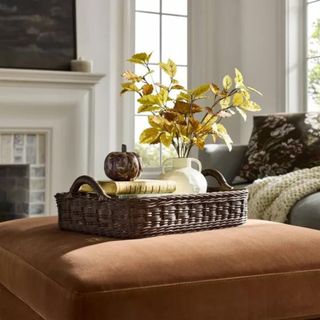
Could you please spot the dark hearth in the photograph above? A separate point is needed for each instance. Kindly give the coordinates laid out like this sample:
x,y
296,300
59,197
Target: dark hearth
x,y
14,191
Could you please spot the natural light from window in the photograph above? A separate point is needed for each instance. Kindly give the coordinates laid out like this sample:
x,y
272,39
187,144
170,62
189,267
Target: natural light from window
x,y
161,28
313,55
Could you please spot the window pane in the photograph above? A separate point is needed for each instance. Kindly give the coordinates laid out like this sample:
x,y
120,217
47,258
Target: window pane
x,y
313,27
168,153
175,6
150,154
148,5
182,76
314,84
174,39
147,35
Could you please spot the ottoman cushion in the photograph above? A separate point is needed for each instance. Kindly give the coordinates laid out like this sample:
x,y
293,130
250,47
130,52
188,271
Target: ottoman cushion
x,y
261,270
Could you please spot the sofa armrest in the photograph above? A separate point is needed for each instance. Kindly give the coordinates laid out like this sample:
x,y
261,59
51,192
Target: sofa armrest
x,y
217,156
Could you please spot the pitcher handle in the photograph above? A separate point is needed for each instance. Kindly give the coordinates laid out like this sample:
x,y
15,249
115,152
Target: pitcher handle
x,y
198,163
163,168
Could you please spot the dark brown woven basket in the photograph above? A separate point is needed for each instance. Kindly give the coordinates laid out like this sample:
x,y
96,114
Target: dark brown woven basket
x,y
99,214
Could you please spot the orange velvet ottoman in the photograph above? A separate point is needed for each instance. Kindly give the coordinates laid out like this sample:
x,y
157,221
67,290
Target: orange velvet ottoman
x,y
260,270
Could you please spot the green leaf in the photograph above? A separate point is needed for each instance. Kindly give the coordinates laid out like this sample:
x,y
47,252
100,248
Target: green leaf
x,y
227,82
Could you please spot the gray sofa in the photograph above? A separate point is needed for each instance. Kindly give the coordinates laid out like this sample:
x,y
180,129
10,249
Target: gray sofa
x,y
305,213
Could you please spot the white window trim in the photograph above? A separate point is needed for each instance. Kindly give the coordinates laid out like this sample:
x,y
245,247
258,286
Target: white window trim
x,y
296,80
149,172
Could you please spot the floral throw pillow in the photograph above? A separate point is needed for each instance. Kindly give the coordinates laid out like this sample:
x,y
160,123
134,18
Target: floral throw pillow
x,y
281,143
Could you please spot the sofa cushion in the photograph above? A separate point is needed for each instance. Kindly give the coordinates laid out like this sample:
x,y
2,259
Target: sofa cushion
x,y
281,143
306,212
261,270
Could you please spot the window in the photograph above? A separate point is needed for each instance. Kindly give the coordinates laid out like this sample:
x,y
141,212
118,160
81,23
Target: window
x,y
313,54
161,28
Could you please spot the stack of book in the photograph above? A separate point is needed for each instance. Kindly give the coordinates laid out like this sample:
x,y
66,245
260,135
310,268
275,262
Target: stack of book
x,y
135,189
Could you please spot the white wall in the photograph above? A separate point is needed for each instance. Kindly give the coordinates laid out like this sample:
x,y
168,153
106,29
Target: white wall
x,y
103,36
248,34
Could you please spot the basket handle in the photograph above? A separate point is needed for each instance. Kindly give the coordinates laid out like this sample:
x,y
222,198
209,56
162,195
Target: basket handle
x,y
223,184
91,182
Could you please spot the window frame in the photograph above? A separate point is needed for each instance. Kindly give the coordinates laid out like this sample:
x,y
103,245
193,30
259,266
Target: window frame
x,y
152,171
306,44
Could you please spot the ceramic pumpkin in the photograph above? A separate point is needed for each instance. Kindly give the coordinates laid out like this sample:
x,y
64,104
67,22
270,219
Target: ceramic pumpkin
x,y
123,166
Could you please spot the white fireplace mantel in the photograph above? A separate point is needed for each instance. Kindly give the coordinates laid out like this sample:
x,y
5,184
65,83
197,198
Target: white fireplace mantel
x,y
60,105
49,77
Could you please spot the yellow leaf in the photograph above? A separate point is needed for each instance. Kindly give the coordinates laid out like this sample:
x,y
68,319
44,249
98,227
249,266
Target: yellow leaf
x,y
227,82
200,142
149,99
209,120
183,97
225,103
170,68
147,89
148,108
166,139
182,130
255,90
239,78
149,135
222,132
200,91
128,86
131,76
237,99
195,124
250,106
156,122
224,114
178,87
172,115
163,95
242,113
140,58
214,88
185,108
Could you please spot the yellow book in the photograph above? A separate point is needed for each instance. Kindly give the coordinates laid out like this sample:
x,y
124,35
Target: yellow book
x,y
134,187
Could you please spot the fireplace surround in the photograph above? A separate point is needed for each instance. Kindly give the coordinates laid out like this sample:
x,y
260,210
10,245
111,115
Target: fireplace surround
x,y
54,112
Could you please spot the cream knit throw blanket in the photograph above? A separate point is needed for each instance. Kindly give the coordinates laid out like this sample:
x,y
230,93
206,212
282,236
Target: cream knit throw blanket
x,y
272,198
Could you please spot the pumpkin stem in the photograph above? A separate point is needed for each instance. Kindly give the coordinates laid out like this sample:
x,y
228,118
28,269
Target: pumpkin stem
x,y
123,148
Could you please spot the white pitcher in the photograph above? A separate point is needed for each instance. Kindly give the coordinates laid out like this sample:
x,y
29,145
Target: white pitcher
x,y
188,179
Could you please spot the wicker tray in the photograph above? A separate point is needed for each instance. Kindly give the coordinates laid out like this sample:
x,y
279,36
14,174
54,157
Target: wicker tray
x,y
99,214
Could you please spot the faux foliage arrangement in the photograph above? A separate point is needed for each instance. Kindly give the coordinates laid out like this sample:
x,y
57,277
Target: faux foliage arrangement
x,y
175,117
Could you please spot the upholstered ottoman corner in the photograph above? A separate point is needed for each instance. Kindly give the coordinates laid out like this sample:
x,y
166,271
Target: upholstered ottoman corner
x,y
260,270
